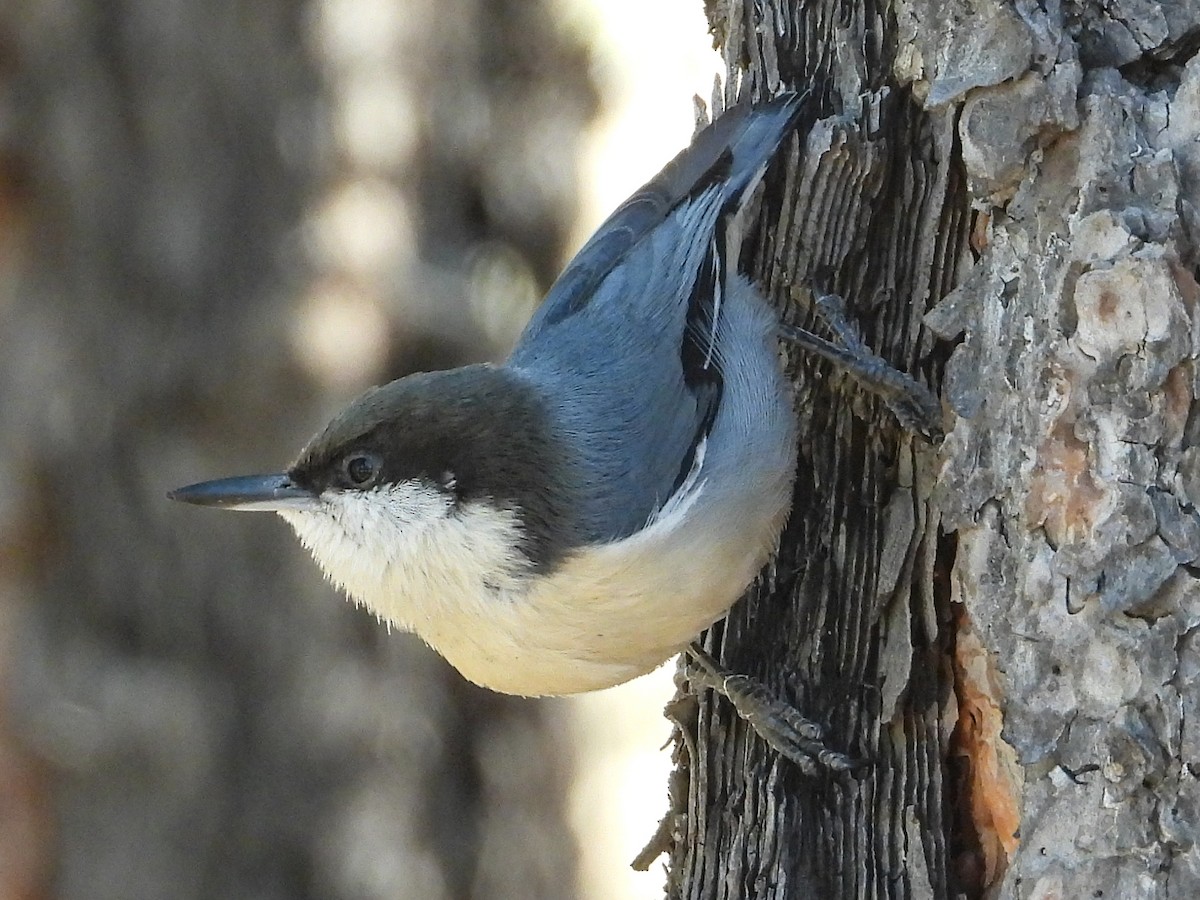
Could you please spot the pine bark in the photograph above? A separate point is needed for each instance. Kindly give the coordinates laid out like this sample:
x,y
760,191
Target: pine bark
x,y
1001,622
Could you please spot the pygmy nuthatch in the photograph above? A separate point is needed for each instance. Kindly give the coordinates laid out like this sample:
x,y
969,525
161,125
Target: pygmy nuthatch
x,y
575,517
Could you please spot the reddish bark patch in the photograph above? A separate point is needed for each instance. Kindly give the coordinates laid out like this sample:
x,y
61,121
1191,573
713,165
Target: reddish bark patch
x,y
989,779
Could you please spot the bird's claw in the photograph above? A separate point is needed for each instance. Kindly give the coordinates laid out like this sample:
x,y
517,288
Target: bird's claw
x,y
775,721
915,407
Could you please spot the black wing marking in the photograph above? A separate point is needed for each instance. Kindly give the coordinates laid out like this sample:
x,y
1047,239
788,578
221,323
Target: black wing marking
x,y
729,151
702,375
632,221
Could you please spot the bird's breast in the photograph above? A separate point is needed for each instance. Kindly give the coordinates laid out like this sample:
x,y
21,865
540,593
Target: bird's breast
x,y
605,614
611,612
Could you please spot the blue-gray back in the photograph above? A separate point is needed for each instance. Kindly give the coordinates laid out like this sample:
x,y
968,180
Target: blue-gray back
x,y
623,346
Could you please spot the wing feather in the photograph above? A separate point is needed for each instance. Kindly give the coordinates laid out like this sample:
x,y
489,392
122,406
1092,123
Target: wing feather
x,y
626,346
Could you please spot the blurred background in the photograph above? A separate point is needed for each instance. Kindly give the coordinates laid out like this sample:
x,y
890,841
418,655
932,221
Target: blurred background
x,y
219,221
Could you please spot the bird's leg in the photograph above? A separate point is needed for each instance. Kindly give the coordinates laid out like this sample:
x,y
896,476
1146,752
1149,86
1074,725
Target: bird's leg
x,y
913,404
772,719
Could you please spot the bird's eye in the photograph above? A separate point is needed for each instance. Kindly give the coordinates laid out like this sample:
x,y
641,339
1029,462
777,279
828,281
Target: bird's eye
x,y
361,469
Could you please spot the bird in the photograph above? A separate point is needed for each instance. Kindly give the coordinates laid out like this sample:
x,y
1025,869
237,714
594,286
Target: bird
x,y
574,517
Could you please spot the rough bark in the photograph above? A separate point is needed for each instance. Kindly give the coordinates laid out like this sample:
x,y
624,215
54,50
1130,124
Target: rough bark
x,y
189,711
1001,623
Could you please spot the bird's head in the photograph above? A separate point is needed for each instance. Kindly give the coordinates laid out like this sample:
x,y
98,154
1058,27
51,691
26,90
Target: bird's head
x,y
449,475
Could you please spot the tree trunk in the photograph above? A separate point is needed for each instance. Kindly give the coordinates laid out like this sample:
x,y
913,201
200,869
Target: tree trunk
x,y
190,712
1002,622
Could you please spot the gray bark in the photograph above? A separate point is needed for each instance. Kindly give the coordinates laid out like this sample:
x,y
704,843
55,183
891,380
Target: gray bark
x,y
189,711
1001,623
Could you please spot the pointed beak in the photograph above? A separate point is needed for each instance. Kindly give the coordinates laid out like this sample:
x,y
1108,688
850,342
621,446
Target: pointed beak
x,y
269,493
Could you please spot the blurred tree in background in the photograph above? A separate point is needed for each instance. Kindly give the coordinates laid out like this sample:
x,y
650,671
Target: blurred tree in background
x,y
217,222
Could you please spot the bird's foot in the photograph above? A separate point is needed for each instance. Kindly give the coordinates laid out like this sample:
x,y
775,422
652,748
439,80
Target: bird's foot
x,y
775,721
913,404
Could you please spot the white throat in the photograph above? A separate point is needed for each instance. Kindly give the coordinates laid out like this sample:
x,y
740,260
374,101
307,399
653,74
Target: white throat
x,y
406,551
